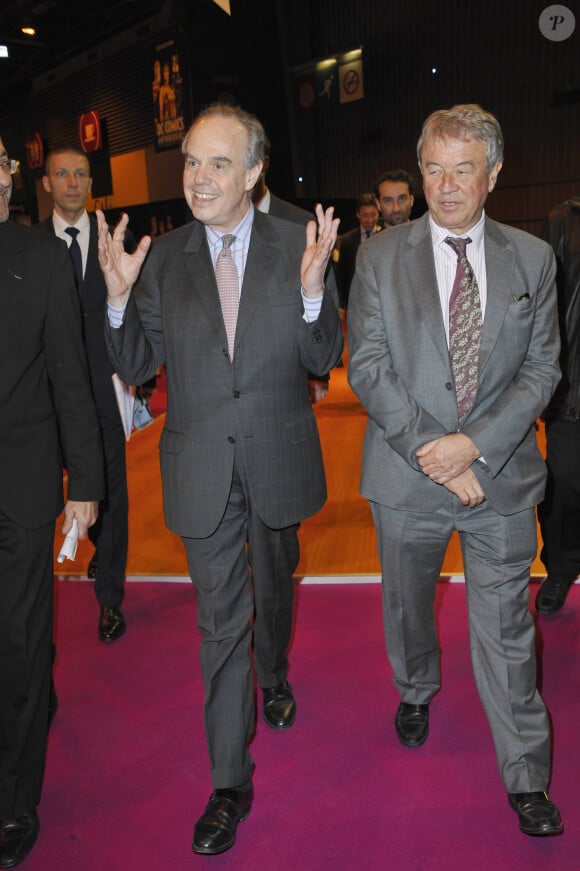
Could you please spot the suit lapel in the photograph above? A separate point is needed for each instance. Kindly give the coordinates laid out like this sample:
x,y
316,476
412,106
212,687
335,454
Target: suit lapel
x,y
259,267
201,276
499,266
421,267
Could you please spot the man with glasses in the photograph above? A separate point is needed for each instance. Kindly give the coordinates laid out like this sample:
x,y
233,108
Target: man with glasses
x,y
47,421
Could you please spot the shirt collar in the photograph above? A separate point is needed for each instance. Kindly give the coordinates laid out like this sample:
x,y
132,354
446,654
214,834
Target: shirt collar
x,y
240,231
439,234
83,224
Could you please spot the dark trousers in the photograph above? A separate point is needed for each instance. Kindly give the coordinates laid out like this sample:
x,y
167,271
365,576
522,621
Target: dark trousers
x,y
26,617
559,513
242,568
110,534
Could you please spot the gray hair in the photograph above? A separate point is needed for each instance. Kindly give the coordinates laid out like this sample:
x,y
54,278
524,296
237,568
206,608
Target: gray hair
x,y
467,121
257,139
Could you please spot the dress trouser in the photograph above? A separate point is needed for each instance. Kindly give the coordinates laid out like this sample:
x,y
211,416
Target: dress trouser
x,y
497,555
110,534
242,565
559,513
26,618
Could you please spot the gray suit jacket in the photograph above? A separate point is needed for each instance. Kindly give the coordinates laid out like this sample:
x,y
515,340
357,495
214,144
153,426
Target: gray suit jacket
x,y
261,400
401,372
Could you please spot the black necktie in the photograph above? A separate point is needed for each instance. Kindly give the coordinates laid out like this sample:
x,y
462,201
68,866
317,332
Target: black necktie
x,y
75,253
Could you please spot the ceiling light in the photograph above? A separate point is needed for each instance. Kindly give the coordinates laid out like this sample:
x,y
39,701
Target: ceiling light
x,y
28,31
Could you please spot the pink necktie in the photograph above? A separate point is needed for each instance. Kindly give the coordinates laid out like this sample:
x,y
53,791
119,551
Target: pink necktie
x,y
229,289
464,329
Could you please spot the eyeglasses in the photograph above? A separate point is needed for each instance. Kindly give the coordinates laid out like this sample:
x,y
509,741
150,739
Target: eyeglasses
x,y
10,166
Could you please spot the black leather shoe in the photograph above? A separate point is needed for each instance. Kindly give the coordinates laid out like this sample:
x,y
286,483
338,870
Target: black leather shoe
x,y
17,838
279,706
215,830
111,623
552,595
412,724
537,814
93,566
52,704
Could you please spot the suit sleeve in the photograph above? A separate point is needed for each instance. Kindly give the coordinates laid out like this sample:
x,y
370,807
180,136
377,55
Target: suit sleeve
x,y
69,378
405,423
321,342
136,349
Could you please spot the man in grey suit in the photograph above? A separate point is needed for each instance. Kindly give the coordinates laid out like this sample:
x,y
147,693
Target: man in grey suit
x,y
448,449
240,453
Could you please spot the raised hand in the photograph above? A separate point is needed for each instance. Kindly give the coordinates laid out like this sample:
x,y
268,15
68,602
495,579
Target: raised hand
x,y
320,240
120,270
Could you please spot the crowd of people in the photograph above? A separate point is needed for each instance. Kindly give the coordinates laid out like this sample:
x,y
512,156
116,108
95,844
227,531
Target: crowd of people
x,y
461,333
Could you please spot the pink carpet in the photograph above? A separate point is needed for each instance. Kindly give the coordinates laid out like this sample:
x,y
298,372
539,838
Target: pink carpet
x,y
127,771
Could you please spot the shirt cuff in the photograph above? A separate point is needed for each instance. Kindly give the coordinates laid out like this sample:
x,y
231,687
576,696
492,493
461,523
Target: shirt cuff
x,y
311,307
115,315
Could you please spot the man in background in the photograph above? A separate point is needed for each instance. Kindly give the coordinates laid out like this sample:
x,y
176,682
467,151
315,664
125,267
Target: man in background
x,y
47,421
367,215
268,203
67,178
559,513
395,195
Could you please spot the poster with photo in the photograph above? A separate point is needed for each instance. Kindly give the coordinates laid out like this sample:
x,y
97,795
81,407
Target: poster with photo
x,y
169,95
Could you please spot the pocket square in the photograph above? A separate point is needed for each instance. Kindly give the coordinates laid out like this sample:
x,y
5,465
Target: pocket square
x,y
520,298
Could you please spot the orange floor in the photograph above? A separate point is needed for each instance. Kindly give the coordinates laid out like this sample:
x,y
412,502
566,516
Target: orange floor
x,y
339,540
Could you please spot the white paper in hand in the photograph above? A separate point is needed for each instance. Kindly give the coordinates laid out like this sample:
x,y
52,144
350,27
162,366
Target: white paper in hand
x,y
69,545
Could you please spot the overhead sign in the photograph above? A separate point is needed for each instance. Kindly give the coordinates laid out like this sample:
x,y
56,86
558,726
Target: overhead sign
x,y
90,131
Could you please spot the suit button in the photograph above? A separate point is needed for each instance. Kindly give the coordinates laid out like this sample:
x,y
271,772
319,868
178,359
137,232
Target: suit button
x,y
236,394
231,440
449,386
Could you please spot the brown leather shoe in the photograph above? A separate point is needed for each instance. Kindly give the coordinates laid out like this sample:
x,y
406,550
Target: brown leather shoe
x,y
111,623
537,814
412,724
279,706
215,830
17,838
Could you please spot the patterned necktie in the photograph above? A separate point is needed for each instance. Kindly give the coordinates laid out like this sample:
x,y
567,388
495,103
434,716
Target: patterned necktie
x,y
229,289
75,253
464,329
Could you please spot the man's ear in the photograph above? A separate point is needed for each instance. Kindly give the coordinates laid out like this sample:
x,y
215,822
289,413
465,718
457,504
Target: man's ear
x,y
46,184
252,175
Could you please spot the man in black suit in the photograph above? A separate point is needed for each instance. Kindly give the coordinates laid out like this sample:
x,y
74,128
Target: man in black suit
x,y
241,461
47,421
67,178
367,215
